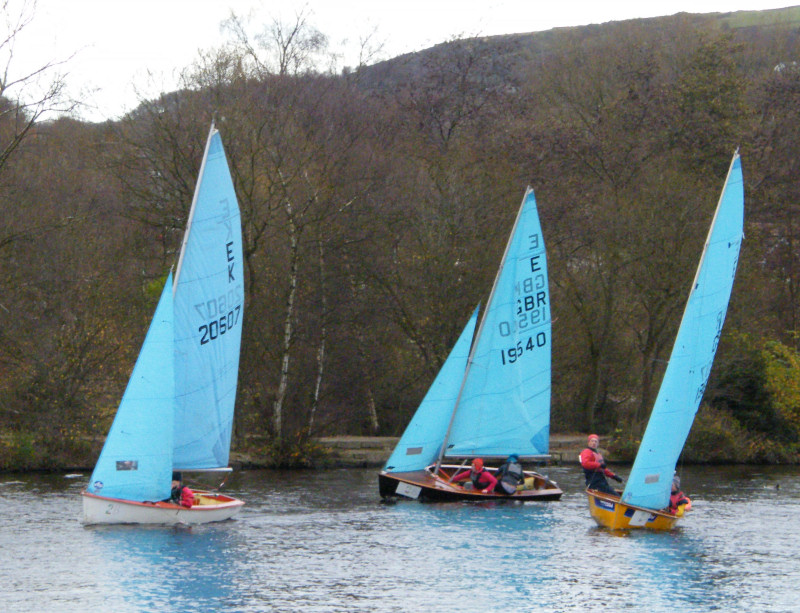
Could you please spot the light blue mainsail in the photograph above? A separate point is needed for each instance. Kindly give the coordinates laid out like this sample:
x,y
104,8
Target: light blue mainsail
x,y
209,310
422,440
504,406
689,365
136,461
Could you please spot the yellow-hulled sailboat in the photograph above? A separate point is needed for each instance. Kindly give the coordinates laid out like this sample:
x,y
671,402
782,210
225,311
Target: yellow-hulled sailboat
x,y
645,499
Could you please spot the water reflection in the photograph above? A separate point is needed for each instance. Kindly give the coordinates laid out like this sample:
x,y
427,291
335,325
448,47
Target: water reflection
x,y
159,567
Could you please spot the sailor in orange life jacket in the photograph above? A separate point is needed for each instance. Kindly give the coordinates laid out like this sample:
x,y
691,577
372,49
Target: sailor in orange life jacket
x,y
594,468
678,501
481,479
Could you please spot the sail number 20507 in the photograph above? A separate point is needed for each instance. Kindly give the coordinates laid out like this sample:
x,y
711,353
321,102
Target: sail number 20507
x,y
217,327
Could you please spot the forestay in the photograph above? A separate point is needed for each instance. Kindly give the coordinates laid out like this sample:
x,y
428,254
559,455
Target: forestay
x,y
693,353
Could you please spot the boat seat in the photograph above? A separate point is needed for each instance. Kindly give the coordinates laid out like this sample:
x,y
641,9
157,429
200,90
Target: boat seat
x,y
529,484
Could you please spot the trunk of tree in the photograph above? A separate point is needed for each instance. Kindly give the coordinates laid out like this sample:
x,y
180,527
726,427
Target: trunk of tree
x,y
323,338
288,327
649,366
373,413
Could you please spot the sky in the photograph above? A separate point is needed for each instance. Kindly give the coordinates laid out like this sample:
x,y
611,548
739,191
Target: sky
x,y
120,51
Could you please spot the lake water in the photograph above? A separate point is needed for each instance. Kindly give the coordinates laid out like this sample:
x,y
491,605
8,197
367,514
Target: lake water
x,y
322,541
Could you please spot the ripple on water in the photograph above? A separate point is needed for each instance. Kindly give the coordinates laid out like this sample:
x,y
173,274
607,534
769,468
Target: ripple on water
x,y
321,541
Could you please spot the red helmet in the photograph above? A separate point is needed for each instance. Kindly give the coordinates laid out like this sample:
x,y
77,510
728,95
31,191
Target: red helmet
x,y
593,436
477,464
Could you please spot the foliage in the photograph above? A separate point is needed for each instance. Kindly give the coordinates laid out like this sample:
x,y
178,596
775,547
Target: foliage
x,y
756,383
623,445
782,373
18,451
297,451
716,437
31,450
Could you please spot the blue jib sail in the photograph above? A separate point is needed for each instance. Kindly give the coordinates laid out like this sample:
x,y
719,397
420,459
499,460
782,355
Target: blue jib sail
x,y
136,461
504,406
693,353
209,311
422,440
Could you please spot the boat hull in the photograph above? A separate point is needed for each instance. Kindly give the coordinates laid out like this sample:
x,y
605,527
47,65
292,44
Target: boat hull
x,y
610,512
425,486
209,508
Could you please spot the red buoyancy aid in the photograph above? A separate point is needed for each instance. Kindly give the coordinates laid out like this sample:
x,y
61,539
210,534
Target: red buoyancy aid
x,y
187,497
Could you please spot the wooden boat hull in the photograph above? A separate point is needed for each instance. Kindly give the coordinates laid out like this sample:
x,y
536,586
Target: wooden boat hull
x,y
610,512
209,508
424,485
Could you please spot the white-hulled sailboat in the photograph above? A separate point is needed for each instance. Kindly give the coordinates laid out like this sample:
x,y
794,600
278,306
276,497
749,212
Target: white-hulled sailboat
x,y
177,410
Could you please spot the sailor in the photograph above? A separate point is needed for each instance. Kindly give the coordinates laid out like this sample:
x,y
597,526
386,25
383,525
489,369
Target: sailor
x,y
678,501
594,468
181,494
509,476
481,478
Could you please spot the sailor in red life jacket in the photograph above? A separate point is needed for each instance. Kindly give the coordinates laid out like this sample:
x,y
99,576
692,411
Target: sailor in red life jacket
x,y
594,468
678,501
181,494
481,479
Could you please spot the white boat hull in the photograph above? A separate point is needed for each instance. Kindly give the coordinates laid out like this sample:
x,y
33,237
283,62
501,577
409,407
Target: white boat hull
x,y
213,507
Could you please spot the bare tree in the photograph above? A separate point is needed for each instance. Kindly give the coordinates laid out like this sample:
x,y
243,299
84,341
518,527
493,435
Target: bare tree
x,y
27,96
281,48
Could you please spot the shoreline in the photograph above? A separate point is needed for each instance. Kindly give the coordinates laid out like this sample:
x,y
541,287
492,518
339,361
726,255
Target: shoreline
x,y
374,451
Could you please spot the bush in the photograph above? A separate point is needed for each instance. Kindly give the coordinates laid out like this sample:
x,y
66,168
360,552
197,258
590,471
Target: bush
x,y
717,437
623,445
757,382
298,451
19,451
25,450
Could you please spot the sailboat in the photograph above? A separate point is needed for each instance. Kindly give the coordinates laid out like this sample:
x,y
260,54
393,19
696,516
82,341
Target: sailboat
x,y
177,411
647,491
491,397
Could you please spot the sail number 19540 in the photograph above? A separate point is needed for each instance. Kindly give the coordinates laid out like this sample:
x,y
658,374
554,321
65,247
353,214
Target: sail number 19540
x,y
512,354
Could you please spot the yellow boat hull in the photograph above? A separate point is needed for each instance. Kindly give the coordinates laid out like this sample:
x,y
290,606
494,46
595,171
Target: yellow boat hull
x,y
610,512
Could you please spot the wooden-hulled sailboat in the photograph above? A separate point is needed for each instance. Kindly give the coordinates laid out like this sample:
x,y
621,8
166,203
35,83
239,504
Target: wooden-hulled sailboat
x,y
177,411
492,400
644,501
